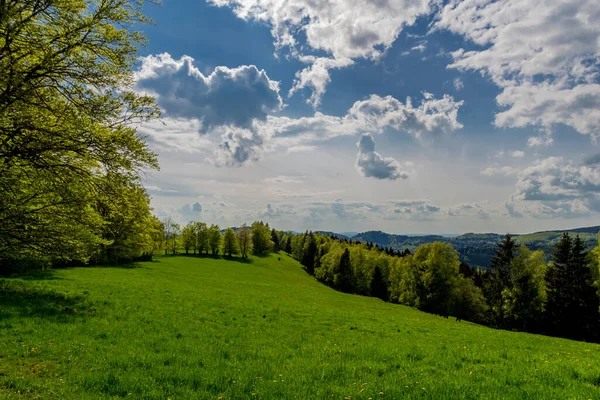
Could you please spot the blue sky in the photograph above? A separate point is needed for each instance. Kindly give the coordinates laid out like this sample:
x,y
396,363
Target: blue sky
x,y
408,116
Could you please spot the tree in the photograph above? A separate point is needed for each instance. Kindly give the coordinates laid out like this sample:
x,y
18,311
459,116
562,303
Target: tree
x,y
214,239
468,301
504,255
244,236
188,237
288,244
230,245
379,285
261,238
524,299
171,231
275,240
67,121
309,254
202,240
343,277
501,265
438,263
557,282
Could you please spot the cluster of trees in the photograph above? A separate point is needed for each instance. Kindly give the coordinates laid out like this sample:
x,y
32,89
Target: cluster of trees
x,y
70,155
199,238
520,291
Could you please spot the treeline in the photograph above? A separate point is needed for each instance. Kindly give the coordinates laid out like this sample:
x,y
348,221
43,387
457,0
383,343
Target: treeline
x,y
200,238
70,155
520,291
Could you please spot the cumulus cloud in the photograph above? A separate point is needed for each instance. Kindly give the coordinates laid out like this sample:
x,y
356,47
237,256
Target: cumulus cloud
x,y
416,210
190,212
469,209
227,97
239,146
375,114
371,164
517,154
556,187
543,54
343,29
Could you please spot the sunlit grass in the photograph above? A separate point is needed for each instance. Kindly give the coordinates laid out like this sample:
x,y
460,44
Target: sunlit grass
x,y
186,327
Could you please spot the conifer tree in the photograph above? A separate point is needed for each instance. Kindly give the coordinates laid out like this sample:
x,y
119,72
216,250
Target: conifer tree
x,y
557,281
379,286
343,280
309,253
275,240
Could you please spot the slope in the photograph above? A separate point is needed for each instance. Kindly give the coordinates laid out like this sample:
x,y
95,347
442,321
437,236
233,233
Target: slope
x,y
186,327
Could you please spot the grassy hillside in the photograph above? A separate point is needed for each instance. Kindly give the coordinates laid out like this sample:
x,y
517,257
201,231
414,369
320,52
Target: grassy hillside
x,y
184,327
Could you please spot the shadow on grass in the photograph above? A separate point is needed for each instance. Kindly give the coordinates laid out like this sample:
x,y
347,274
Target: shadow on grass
x,y
213,257
25,299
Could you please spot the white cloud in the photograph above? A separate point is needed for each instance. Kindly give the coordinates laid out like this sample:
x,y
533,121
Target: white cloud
x,y
499,171
556,187
469,209
227,97
458,84
543,54
517,154
374,114
344,29
371,164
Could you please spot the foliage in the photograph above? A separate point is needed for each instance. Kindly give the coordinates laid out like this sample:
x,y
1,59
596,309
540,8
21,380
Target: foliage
x,y
261,238
230,244
67,131
244,237
214,239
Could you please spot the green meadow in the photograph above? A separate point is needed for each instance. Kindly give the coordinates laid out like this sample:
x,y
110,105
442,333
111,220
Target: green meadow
x,y
204,328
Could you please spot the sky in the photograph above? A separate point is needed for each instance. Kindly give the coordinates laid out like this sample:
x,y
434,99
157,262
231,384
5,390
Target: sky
x,y
406,116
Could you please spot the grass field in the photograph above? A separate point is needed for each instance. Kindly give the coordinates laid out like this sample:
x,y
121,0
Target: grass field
x,y
200,328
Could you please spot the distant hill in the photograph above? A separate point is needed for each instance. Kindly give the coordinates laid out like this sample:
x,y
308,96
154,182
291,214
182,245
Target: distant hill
x,y
337,235
478,248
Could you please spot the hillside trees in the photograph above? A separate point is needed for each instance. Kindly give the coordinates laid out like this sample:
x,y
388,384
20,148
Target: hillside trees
x,y
230,243
525,296
188,238
244,236
438,264
214,239
67,121
261,238
572,308
202,239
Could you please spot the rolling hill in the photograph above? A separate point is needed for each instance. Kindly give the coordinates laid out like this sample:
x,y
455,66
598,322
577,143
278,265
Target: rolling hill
x,y
205,328
477,248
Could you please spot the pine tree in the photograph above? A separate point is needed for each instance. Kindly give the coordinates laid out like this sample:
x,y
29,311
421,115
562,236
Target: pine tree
x,y
583,307
504,255
288,245
501,265
275,240
309,253
343,280
379,286
557,282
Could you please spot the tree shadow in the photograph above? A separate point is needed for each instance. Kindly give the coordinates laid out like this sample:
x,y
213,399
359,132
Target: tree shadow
x,y
22,299
214,257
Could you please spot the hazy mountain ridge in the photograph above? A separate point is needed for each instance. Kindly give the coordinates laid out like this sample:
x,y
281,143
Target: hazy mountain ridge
x,y
478,248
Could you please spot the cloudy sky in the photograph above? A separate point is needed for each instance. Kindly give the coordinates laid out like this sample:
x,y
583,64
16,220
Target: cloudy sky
x,y
408,116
